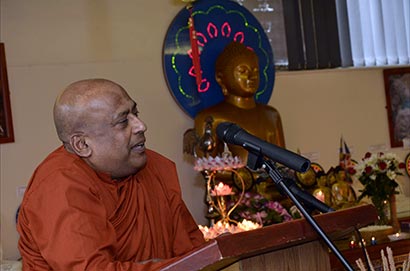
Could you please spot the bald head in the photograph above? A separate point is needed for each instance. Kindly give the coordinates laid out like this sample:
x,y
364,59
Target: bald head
x,y
77,101
97,120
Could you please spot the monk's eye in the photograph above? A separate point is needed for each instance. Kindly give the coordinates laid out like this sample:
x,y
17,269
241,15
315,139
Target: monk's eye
x,y
123,122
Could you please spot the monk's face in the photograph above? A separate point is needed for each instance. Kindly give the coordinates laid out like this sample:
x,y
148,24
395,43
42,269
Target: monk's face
x,y
242,76
115,134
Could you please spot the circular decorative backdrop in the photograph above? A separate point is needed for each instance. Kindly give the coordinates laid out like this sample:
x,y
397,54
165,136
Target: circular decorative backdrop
x,y
217,23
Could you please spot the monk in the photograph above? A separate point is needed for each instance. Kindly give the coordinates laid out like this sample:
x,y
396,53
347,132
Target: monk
x,y
102,200
237,72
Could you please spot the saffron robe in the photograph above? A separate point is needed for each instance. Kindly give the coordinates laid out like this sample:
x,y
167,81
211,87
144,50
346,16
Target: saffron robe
x,y
73,218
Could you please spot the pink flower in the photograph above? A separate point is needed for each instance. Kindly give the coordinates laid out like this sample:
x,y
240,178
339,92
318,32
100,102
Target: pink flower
x,y
259,216
221,190
274,205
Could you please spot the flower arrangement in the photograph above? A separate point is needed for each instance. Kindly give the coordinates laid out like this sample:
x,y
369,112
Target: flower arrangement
x,y
377,173
256,208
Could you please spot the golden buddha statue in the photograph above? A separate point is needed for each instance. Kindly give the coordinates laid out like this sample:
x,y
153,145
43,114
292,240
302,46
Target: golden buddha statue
x,y
237,72
343,195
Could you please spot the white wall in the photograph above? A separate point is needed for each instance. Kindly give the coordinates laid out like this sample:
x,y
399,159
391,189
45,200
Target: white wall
x,y
51,43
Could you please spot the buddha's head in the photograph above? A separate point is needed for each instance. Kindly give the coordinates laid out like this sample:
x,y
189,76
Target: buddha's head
x,y
237,70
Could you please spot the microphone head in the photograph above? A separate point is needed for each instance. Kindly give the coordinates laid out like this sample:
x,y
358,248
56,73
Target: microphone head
x,y
226,131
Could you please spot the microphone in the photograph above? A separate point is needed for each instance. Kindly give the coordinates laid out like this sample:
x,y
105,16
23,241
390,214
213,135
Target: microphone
x,y
233,134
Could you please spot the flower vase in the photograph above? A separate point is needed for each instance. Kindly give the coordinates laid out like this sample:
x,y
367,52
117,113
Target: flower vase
x,y
383,210
386,211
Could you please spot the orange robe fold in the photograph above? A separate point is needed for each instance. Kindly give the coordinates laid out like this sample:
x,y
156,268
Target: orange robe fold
x,y
73,218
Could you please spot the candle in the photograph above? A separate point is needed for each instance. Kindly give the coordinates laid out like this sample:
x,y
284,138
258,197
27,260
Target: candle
x,y
373,241
352,244
398,236
320,195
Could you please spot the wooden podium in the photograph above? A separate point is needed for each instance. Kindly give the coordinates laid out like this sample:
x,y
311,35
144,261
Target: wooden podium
x,y
290,245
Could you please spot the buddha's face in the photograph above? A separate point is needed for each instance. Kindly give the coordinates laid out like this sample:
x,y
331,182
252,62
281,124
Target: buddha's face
x,y
241,76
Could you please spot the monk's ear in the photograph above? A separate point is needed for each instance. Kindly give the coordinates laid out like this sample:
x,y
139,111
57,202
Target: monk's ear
x,y
78,143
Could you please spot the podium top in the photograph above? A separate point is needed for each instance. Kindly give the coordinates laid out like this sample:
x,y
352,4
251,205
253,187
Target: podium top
x,y
229,248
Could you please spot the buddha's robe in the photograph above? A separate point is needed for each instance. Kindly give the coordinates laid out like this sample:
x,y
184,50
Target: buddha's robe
x,y
73,218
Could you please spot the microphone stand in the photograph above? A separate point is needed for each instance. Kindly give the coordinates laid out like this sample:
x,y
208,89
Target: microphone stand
x,y
275,175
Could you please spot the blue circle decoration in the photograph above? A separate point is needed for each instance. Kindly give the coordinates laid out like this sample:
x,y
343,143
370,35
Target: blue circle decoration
x,y
217,23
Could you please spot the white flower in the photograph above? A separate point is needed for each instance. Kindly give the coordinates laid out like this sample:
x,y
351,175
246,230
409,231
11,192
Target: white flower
x,y
391,175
